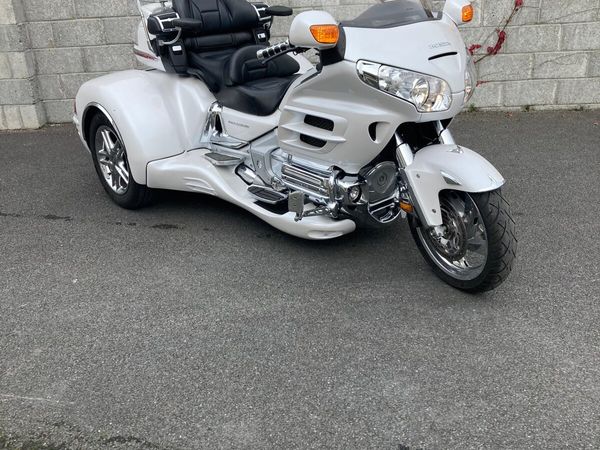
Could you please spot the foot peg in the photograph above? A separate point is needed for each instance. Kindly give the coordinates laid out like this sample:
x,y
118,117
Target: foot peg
x,y
296,205
218,159
266,194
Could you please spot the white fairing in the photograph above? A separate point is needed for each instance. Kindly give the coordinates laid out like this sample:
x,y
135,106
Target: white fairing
x,y
439,167
413,45
157,114
339,95
300,34
192,172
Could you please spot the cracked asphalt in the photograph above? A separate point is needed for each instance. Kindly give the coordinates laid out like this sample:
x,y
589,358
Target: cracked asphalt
x,y
192,324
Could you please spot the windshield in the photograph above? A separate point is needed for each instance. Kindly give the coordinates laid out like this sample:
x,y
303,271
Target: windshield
x,y
393,14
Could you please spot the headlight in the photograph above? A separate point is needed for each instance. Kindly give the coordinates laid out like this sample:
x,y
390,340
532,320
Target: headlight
x,y
470,79
427,93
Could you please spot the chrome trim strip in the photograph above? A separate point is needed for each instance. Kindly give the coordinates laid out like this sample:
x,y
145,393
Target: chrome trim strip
x,y
106,114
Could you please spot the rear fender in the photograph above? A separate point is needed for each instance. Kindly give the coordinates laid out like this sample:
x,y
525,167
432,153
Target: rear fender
x,y
157,115
441,167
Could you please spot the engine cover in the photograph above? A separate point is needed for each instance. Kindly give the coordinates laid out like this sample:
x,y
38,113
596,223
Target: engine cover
x,y
383,193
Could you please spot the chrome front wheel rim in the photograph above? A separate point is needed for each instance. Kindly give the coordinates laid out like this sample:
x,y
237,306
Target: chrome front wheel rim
x,y
460,246
112,159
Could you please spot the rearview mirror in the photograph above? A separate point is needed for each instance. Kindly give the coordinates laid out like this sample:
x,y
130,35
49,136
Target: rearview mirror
x,y
314,29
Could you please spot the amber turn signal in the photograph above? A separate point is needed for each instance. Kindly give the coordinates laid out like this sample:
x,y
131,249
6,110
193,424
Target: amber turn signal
x,y
325,34
407,207
467,13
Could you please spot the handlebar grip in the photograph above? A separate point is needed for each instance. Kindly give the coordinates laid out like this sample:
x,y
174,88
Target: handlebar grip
x,y
274,50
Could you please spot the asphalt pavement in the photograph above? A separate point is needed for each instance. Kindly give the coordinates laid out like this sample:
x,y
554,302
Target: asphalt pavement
x,y
192,324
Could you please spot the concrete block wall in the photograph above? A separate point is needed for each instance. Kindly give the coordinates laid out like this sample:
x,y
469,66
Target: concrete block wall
x,y
73,41
550,59
48,48
19,100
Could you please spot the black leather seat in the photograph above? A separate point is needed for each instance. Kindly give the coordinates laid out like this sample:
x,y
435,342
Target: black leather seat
x,y
223,54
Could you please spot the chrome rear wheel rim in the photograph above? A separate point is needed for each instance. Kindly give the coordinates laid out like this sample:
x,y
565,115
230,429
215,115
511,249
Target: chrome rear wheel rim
x,y
460,246
112,159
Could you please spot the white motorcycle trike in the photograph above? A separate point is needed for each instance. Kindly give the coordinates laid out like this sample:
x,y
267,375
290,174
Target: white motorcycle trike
x,y
359,139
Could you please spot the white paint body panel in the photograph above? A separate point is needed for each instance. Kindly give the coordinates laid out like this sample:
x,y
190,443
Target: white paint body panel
x,y
339,95
192,172
412,47
471,171
157,114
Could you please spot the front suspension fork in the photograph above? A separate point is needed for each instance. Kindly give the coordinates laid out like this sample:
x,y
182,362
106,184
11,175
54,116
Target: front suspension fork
x,y
405,157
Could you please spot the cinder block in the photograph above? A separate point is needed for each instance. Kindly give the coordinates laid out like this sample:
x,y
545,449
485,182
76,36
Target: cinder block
x,y
49,87
281,25
16,92
480,35
13,38
579,92
22,64
58,111
121,30
532,38
554,11
487,95
7,13
531,92
496,12
560,65
18,10
320,4
78,33
72,82
108,58
39,10
32,116
581,36
105,8
594,64
12,117
5,71
505,67
40,34
58,60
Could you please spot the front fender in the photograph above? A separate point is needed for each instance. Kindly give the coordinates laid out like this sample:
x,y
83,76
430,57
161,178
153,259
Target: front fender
x,y
158,115
440,167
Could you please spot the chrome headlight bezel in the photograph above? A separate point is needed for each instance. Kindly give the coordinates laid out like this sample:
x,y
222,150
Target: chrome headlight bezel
x,y
427,93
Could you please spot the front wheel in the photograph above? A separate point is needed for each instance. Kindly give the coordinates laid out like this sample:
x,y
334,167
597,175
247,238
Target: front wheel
x,y
475,247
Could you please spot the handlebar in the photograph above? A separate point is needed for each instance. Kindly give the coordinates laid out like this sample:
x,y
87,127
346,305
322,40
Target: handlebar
x,y
274,50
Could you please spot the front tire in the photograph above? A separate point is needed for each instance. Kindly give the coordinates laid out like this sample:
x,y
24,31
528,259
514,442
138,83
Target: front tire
x,y
112,165
475,248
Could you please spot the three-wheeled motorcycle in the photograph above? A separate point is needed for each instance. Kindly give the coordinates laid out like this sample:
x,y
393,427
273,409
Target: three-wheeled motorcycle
x,y
360,138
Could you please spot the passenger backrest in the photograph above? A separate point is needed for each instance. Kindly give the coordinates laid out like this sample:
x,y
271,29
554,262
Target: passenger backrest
x,y
226,23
